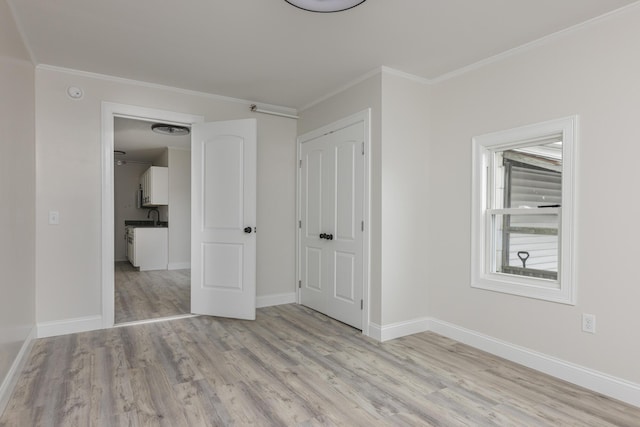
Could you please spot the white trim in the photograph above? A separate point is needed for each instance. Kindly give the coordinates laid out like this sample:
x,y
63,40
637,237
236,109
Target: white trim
x,y
564,289
342,88
122,80
11,378
275,299
365,117
399,329
109,111
591,379
179,265
69,326
408,76
582,376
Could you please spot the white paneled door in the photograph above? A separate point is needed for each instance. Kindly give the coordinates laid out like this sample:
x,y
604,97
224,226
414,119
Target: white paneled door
x,y
332,215
223,219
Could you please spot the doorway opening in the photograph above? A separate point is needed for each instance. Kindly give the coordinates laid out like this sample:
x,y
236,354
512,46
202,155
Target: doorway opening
x,y
152,174
119,124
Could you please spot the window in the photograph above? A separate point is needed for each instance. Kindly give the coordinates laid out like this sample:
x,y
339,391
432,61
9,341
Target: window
x,y
522,227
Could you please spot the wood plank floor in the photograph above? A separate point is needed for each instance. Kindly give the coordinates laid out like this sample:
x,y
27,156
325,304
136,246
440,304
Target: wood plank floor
x,y
290,367
142,295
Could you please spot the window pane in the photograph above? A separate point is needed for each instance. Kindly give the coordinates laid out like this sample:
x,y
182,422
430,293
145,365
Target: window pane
x,y
528,177
526,245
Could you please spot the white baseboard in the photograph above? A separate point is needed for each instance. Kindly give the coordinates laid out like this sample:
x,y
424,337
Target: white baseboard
x,y
10,380
608,385
69,326
179,265
275,299
397,330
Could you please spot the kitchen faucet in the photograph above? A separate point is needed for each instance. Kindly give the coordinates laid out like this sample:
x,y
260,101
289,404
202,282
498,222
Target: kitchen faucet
x,y
157,220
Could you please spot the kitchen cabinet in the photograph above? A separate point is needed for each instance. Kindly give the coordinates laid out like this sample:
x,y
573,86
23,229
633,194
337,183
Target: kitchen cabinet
x,y
148,248
155,186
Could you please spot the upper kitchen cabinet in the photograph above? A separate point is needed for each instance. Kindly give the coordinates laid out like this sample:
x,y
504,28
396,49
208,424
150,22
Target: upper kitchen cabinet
x,y
155,186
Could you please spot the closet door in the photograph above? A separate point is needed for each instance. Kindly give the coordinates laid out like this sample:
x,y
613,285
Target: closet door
x,y
331,238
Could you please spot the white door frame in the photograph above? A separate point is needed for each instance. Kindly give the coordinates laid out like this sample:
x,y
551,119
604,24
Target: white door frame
x,y
365,117
111,110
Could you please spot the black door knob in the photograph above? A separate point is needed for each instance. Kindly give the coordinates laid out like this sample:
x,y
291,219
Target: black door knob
x,y
247,229
329,236
323,236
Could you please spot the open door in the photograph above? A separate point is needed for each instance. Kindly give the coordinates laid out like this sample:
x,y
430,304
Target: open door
x,y
223,219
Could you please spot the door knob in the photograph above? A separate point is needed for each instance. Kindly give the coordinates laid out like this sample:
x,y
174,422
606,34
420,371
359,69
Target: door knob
x,y
247,230
323,236
329,237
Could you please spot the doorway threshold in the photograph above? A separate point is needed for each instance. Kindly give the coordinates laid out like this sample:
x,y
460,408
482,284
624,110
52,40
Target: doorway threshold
x,y
159,319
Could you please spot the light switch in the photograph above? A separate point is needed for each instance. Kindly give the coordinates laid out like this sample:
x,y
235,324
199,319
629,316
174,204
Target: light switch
x,y
54,217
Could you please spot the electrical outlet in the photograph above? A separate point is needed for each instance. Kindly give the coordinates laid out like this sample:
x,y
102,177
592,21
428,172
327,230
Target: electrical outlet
x,y
589,323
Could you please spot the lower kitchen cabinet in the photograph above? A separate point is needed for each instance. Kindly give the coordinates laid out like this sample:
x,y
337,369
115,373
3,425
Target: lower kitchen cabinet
x,y
150,248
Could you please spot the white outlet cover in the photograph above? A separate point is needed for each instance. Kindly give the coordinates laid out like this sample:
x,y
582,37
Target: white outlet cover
x,y
589,323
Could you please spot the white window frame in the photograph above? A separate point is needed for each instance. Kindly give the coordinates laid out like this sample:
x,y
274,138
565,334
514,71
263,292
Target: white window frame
x,y
563,290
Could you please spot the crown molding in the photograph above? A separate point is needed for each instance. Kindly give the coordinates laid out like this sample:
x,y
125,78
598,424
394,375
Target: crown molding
x,y
342,88
380,70
534,44
404,75
479,64
122,80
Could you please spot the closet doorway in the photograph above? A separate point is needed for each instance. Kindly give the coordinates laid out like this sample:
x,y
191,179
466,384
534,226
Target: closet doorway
x,y
333,226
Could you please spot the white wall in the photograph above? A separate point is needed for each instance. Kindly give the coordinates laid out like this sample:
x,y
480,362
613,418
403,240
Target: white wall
x,y
593,72
17,197
68,134
179,208
365,94
405,207
126,179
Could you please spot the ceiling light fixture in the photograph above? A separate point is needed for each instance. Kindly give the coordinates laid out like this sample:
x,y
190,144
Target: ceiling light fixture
x,y
325,5
167,129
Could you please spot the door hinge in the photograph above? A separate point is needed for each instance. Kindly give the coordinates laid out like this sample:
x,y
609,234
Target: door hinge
x,y
362,226
299,284
363,148
299,223
300,164
361,304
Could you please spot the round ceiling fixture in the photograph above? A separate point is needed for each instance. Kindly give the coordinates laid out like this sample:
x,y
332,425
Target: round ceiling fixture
x,y
166,129
325,6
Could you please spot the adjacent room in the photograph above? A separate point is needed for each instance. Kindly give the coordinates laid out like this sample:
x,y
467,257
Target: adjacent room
x,y
319,212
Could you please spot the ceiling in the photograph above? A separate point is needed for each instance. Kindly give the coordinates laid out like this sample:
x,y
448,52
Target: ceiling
x,y
140,143
268,51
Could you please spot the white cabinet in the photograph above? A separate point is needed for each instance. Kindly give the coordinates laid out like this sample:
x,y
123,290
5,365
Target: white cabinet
x,y
149,248
155,186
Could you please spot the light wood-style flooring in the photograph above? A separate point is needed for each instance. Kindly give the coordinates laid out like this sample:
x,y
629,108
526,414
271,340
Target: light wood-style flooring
x,y
142,295
290,367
